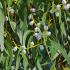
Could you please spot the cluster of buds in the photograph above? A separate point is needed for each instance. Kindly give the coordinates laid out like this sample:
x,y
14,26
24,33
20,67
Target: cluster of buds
x,y
23,49
38,30
37,33
31,15
46,28
38,36
64,2
58,7
66,5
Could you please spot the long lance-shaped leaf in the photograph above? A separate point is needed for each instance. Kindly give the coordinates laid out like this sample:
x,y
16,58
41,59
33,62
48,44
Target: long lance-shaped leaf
x,y
25,36
25,61
17,62
39,65
1,28
58,48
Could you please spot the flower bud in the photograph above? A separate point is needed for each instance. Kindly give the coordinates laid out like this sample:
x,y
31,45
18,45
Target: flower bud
x,y
24,51
66,7
64,2
57,14
33,10
30,16
58,7
15,49
32,43
6,18
38,24
45,27
48,33
38,36
41,47
37,29
31,23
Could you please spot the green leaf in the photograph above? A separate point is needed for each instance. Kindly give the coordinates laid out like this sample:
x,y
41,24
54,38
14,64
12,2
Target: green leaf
x,y
17,62
2,58
69,54
55,56
53,50
38,64
1,27
23,25
8,48
25,61
29,1
43,18
25,36
13,25
29,41
6,65
53,7
59,16
52,66
6,51
58,48
63,32
9,2
9,51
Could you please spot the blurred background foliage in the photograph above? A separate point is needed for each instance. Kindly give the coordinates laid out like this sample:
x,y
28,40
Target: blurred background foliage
x,y
34,35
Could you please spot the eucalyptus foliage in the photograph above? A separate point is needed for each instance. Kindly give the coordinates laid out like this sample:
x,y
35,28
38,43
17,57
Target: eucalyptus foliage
x,y
34,35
